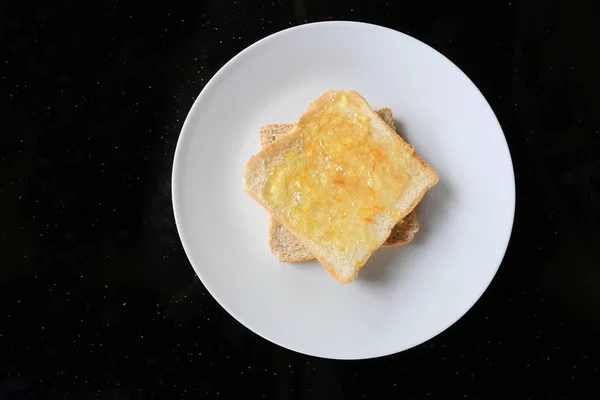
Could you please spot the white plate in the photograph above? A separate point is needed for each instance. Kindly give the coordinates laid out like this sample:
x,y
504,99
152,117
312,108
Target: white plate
x,y
403,296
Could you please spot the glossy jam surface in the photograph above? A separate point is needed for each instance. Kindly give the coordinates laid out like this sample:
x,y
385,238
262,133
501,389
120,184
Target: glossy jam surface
x,y
338,177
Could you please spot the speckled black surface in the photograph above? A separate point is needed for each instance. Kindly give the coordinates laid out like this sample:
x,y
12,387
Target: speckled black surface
x,y
97,299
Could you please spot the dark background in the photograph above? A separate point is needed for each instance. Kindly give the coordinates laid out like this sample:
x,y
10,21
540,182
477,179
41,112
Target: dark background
x,y
97,298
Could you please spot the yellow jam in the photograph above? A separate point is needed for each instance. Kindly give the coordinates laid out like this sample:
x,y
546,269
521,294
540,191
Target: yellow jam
x,y
338,178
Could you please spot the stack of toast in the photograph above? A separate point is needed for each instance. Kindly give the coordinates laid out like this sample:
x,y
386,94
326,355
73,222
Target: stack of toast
x,y
366,149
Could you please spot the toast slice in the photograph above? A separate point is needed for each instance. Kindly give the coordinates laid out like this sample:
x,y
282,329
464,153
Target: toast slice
x,y
285,245
339,181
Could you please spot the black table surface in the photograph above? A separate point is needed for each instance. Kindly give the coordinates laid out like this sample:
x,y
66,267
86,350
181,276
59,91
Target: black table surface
x,y
97,298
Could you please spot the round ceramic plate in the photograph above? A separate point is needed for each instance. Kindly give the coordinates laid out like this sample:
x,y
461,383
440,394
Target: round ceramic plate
x,y
403,296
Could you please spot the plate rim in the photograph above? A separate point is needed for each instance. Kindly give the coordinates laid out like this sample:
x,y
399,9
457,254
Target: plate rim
x,y
177,161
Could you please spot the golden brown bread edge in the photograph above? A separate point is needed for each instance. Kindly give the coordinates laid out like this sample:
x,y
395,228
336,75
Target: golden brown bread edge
x,y
285,245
